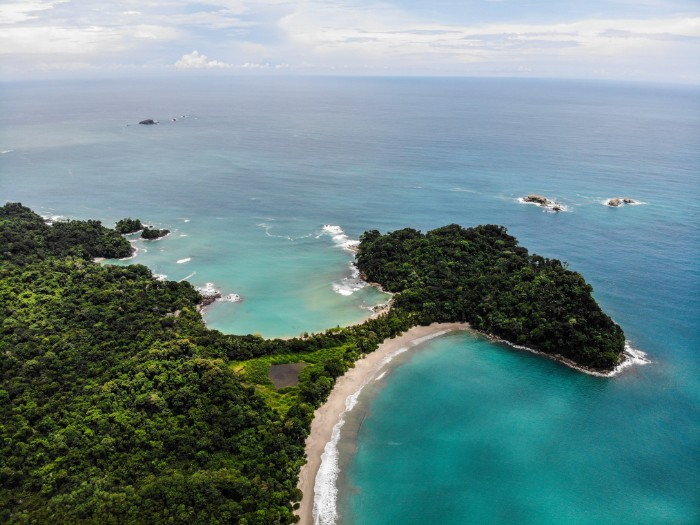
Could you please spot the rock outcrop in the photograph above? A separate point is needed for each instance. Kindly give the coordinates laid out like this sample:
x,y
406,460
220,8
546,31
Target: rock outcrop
x,y
538,199
208,299
628,201
148,121
614,202
543,201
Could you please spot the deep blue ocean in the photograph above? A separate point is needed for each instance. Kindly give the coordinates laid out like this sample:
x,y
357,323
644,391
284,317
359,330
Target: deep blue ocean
x,y
258,176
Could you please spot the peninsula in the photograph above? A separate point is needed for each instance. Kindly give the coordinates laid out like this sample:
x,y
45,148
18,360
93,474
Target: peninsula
x,y
119,405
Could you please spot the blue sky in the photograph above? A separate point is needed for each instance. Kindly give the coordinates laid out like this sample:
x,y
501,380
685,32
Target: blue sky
x,y
616,39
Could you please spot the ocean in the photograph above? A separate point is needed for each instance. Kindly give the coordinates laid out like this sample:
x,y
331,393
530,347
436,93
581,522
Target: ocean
x,y
265,181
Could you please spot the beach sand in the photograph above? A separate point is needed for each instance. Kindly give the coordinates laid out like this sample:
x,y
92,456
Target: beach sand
x,y
328,415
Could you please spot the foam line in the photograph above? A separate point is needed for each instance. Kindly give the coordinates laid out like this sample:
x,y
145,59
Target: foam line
x,y
326,492
268,228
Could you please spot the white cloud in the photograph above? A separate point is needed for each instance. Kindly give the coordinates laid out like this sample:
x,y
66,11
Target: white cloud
x,y
222,19
79,40
403,43
196,61
15,12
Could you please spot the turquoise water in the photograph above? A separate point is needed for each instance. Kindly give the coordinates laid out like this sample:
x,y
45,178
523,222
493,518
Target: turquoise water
x,y
248,179
471,431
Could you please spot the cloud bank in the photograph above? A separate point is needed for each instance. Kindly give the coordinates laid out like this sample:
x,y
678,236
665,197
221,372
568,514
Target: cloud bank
x,y
608,39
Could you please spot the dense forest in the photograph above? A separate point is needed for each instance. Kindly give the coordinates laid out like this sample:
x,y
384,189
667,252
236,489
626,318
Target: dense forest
x,y
118,406
481,276
128,225
25,237
153,233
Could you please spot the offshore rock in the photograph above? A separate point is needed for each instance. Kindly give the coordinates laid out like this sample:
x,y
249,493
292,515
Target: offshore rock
x,y
628,201
614,202
539,199
208,299
148,121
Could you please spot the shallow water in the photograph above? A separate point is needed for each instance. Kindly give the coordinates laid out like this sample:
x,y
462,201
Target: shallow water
x,y
248,179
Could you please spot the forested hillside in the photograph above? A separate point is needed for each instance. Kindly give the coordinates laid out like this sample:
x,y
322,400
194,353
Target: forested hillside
x,y
118,406
25,237
481,276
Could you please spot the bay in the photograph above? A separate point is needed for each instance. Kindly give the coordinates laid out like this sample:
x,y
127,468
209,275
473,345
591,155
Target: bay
x,y
248,178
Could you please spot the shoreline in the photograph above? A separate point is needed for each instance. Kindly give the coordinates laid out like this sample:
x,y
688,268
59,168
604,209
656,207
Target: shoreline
x,y
328,416
328,419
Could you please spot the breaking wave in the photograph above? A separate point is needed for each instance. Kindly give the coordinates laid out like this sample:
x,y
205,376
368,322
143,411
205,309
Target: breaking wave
x,y
351,284
326,493
209,290
339,236
631,356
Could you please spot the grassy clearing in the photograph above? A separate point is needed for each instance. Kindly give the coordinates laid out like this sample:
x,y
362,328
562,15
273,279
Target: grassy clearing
x,y
256,372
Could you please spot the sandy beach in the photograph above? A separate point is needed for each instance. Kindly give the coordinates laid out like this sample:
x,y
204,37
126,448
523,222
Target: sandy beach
x,y
326,417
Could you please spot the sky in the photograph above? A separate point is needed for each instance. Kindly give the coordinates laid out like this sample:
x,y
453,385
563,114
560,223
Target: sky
x,y
646,40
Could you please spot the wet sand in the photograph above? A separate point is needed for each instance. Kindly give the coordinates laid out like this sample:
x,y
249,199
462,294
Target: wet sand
x,y
326,417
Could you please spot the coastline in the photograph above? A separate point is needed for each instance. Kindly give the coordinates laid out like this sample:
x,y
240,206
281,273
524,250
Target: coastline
x,y
328,419
329,414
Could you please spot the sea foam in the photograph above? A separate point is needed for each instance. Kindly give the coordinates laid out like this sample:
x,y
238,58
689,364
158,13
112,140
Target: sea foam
x,y
351,284
268,228
339,236
190,275
326,492
209,290
548,207
134,251
188,259
631,356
